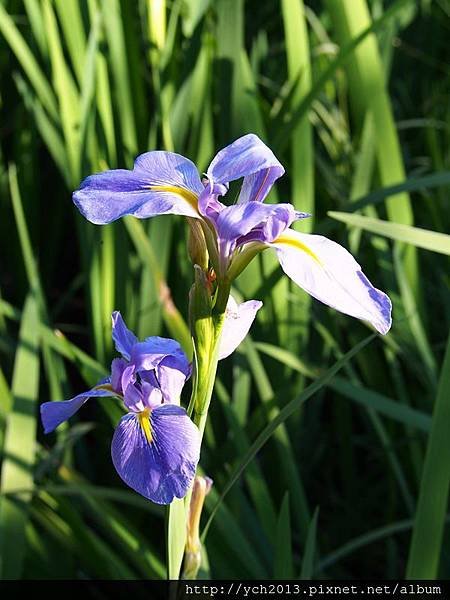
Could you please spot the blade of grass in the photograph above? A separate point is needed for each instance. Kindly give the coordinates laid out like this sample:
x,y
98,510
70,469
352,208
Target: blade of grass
x,y
309,553
416,236
28,62
19,445
283,567
425,548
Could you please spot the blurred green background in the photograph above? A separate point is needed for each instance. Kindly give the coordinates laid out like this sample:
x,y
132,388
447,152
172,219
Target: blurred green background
x,y
353,97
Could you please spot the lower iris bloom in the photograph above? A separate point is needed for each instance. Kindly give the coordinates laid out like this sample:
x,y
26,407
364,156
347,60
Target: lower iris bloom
x,y
165,182
155,447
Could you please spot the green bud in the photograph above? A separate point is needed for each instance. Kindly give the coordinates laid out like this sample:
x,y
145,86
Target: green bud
x,y
193,550
197,249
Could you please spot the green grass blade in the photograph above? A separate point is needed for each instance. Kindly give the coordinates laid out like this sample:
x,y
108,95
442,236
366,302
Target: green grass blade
x,y
283,567
19,445
425,549
421,238
28,63
309,553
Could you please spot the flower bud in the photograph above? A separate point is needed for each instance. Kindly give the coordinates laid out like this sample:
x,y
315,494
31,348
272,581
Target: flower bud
x,y
193,551
197,250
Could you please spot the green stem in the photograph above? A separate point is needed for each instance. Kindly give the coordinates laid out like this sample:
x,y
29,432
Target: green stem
x,y
206,325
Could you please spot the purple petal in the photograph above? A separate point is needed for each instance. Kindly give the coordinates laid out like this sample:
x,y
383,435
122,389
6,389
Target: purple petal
x,y
118,367
162,468
160,183
250,158
55,413
253,221
172,373
329,273
140,396
238,320
124,339
148,354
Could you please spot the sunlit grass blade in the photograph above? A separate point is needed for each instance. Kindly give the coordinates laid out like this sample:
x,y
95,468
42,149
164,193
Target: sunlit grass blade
x,y
28,62
19,444
289,120
425,549
302,161
416,236
118,55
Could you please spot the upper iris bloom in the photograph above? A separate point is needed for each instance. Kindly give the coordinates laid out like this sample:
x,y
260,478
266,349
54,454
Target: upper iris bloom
x,y
156,446
165,182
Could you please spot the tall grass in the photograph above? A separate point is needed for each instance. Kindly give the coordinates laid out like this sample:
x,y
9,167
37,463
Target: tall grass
x,y
315,474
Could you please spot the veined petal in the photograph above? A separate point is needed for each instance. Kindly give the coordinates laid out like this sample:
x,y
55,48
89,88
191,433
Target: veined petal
x,y
250,158
124,339
172,373
238,320
55,413
254,221
156,454
329,273
160,183
148,354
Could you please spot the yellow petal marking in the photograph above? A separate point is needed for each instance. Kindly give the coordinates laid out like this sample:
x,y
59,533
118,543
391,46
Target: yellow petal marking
x,y
187,195
144,422
104,386
290,240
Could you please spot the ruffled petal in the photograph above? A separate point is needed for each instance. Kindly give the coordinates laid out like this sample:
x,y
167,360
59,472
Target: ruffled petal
x,y
160,183
172,373
238,320
124,339
250,158
55,413
329,273
254,222
118,367
157,459
148,354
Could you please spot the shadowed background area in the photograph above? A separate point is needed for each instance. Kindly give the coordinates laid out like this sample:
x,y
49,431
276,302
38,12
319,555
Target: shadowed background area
x,y
352,97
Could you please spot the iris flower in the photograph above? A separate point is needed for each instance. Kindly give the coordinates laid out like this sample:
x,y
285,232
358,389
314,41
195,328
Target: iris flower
x,y
168,183
156,447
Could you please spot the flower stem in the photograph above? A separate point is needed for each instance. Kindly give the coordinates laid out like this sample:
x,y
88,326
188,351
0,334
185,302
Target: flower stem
x,y
206,316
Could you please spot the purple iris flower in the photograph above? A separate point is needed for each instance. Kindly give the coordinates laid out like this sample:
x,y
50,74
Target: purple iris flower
x,y
165,182
155,447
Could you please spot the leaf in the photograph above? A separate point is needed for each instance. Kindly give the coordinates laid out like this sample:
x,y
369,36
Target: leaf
x,y
19,445
425,548
421,238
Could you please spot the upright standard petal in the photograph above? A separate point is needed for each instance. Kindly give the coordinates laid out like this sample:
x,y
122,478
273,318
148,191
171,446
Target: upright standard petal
x,y
250,158
148,354
329,272
238,320
157,453
171,374
55,413
160,183
124,339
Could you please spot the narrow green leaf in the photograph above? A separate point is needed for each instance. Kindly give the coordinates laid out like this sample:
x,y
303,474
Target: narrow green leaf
x,y
19,444
309,553
283,567
425,549
421,238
